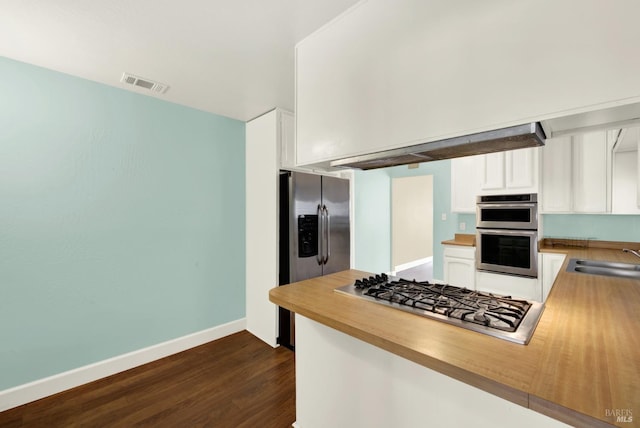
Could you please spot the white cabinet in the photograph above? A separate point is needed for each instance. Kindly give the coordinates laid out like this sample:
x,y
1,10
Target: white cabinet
x,y
509,285
521,170
390,74
624,187
551,264
263,138
625,178
492,169
556,193
287,140
465,183
591,159
514,171
460,266
576,173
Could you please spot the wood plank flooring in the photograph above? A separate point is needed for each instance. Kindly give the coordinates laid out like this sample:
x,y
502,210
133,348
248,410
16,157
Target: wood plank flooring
x,y
236,381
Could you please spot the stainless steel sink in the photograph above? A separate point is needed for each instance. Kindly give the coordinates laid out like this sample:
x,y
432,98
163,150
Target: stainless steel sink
x,y
597,267
612,265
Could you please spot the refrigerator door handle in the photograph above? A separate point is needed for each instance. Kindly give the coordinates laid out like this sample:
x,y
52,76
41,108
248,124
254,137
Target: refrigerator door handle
x,y
320,255
327,234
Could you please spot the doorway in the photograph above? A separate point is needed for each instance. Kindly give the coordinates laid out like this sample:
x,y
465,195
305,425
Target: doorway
x,y
412,227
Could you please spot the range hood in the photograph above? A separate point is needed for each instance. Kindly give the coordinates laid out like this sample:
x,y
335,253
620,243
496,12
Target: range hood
x,y
514,137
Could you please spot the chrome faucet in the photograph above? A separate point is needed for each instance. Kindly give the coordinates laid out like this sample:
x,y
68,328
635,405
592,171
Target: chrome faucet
x,y
634,252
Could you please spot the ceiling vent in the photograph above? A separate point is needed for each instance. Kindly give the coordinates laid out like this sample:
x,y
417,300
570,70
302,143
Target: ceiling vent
x,y
144,83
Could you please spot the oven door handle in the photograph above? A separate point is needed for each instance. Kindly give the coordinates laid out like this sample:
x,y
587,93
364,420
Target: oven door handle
x,y
490,231
501,205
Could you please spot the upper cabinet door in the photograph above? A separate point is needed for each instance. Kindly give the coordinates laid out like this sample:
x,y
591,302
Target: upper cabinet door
x,y
388,74
465,183
556,192
590,173
521,169
578,177
514,171
492,172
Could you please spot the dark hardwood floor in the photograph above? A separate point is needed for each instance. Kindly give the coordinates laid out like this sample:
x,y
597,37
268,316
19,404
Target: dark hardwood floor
x,y
236,381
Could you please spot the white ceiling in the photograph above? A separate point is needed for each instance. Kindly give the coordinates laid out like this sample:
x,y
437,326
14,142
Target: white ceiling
x,y
230,57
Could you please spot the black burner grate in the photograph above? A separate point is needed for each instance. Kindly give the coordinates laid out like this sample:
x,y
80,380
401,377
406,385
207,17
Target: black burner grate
x,y
499,312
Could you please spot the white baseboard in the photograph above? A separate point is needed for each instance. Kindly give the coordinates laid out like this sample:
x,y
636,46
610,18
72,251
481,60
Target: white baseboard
x,y
414,263
41,388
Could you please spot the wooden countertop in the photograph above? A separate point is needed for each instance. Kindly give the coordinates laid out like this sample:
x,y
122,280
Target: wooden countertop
x,y
581,366
462,239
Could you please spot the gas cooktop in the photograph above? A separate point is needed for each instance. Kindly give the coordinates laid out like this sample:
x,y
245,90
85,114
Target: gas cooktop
x,y
495,315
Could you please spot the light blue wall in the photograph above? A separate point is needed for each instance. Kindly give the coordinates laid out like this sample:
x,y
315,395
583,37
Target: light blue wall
x,y
470,223
373,214
372,220
121,222
624,228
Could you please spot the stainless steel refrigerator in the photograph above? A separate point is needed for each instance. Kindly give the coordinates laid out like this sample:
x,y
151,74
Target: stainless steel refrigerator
x,y
314,233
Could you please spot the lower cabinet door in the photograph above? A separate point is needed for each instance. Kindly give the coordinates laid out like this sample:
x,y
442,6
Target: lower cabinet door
x,y
460,272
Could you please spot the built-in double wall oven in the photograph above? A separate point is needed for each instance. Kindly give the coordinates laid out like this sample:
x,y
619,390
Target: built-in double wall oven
x,y
507,234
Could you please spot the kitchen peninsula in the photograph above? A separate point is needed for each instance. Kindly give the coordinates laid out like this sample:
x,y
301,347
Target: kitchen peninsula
x,y
363,364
